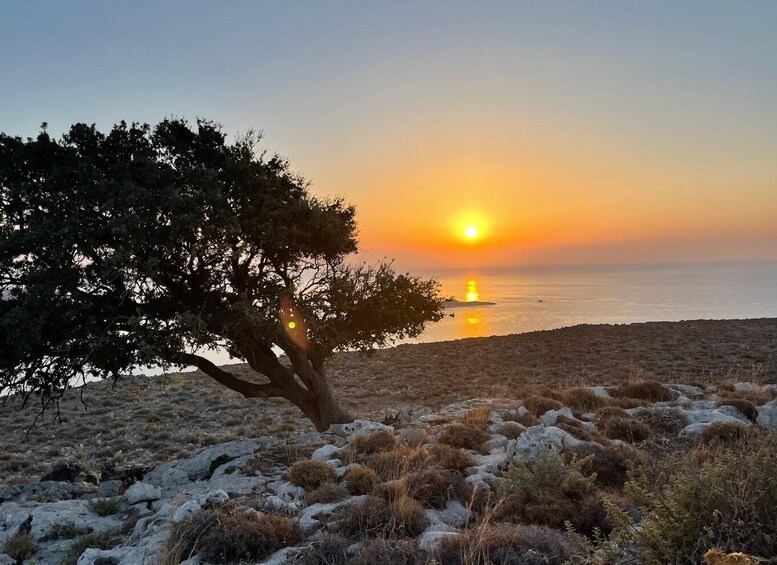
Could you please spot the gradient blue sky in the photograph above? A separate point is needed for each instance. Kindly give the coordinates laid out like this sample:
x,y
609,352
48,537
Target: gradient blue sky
x,y
568,131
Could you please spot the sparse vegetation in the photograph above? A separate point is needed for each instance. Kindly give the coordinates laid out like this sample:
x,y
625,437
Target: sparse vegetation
x,y
97,540
376,442
105,506
644,390
328,492
20,546
582,399
746,407
722,433
452,458
227,534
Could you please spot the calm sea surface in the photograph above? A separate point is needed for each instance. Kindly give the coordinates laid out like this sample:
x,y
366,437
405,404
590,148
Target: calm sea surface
x,y
542,298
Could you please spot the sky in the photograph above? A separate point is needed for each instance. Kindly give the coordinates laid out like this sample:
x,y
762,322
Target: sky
x,y
557,132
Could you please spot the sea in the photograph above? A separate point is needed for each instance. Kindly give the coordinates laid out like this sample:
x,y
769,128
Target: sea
x,y
548,297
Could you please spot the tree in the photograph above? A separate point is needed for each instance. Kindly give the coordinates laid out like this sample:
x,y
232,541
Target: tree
x,y
145,246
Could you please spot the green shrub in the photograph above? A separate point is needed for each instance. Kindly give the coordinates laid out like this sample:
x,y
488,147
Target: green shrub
x,y
106,506
20,546
361,480
462,436
711,497
548,491
609,463
311,474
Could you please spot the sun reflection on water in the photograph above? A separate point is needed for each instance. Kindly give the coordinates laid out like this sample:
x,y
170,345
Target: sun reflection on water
x,y
472,294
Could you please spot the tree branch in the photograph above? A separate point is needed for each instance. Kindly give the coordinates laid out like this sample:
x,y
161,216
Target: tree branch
x,y
246,388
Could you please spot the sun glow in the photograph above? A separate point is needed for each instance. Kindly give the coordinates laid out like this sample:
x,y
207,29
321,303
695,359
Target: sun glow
x,y
471,228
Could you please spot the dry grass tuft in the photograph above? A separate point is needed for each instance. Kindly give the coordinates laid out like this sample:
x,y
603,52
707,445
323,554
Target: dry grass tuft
x,y
361,480
451,458
311,474
20,546
477,418
434,487
328,492
511,430
540,404
667,422
626,429
388,552
582,399
377,442
746,407
462,436
527,420
643,390
723,433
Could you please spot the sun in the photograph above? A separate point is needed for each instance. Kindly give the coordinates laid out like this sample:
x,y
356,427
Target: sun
x,y
471,228
471,232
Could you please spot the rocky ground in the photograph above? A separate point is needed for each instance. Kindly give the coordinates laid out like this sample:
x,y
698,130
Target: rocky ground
x,y
476,451
411,492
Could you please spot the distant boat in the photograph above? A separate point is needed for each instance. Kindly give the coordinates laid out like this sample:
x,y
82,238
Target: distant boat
x,y
540,300
460,304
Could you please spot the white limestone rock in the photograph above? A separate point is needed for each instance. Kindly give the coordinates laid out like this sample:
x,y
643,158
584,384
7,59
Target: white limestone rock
x,y
550,417
538,438
142,492
326,452
767,416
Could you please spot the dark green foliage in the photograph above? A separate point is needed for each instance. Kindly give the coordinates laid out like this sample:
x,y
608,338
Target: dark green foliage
x,y
133,247
105,506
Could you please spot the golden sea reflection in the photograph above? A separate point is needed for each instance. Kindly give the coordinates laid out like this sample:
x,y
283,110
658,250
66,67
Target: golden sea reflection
x,y
472,320
472,294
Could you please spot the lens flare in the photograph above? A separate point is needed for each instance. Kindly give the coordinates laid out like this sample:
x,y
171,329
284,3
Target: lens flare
x,y
293,323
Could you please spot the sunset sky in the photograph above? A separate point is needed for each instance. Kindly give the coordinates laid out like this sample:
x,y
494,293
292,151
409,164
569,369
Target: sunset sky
x,y
560,132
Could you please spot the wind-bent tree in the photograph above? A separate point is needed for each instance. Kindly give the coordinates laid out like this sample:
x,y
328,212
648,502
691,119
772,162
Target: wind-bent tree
x,y
145,246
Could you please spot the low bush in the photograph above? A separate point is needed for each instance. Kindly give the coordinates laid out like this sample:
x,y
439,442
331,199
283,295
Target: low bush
x,y
758,397
575,430
746,407
328,492
97,540
604,414
527,419
331,549
375,517
391,465
722,433
626,429
452,458
643,390
509,545
610,464
389,552
549,491
228,534
691,504
511,430
627,403
666,422
540,404
376,442
311,474
582,399
466,437
20,546
433,487
477,418
105,506
361,480
65,530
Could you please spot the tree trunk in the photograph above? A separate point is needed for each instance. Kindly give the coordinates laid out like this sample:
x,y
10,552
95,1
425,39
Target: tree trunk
x,y
321,406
